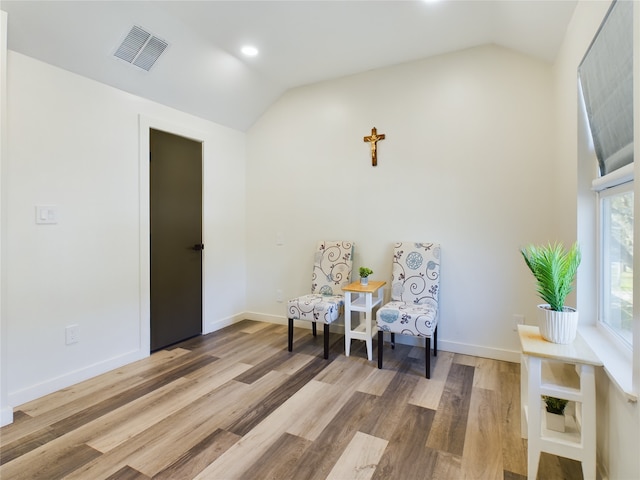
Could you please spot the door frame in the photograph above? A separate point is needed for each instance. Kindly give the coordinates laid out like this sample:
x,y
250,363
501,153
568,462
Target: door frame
x,y
146,123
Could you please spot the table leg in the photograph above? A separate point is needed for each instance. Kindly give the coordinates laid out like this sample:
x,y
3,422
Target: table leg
x,y
588,387
347,323
533,408
367,320
524,395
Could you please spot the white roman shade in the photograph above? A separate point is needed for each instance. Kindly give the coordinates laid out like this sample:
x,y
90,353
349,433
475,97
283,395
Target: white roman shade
x,y
606,78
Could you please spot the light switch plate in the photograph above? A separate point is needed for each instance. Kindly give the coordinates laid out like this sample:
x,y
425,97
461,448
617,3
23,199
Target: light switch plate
x,y
46,214
72,334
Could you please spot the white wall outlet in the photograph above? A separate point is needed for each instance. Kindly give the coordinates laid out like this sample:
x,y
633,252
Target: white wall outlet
x,y
279,239
279,295
72,334
518,319
46,214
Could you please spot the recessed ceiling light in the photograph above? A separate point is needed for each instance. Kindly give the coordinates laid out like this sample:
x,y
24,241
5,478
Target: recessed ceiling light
x,y
249,51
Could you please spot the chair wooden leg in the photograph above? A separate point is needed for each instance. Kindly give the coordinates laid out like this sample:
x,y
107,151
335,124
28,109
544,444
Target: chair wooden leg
x,y
428,357
313,327
393,341
435,342
380,345
326,340
290,335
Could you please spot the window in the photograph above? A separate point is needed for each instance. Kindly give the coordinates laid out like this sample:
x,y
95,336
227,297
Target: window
x,y
606,86
616,260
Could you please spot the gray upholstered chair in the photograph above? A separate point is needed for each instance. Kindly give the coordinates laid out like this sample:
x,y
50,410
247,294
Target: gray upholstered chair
x,y
415,285
332,267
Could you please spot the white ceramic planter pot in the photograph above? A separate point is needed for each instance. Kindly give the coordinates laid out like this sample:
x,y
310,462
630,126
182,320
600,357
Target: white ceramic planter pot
x,y
555,421
364,280
558,327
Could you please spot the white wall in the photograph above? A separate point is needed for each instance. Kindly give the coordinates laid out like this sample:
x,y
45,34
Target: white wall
x,y
466,161
618,421
74,143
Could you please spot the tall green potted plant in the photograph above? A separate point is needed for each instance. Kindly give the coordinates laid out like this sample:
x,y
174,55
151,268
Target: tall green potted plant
x,y
554,270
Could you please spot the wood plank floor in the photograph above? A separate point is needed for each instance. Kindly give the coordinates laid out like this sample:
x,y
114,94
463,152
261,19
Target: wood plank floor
x,y
235,404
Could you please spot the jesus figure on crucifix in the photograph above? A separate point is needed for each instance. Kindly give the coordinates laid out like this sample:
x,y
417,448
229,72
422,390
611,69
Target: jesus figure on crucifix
x,y
373,139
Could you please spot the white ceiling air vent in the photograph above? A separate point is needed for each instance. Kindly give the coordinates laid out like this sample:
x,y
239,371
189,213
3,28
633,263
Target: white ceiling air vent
x,y
141,48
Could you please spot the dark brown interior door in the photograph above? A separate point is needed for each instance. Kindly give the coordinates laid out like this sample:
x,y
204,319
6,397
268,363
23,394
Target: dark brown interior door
x,y
175,183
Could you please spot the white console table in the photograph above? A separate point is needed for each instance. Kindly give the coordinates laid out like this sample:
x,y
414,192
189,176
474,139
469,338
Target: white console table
x,y
562,371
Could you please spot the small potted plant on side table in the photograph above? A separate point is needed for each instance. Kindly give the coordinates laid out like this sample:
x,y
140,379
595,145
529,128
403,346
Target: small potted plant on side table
x,y
364,275
555,412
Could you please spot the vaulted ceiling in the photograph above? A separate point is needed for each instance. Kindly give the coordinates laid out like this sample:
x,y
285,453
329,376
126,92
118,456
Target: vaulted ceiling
x,y
300,42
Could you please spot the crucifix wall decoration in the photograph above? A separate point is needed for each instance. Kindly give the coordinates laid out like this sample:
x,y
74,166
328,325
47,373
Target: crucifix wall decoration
x,y
373,139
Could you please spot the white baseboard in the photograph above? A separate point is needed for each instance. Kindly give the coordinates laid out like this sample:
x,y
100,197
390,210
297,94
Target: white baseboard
x,y
63,381
465,349
36,391
6,416
445,345
223,322
337,327
71,378
480,351
263,317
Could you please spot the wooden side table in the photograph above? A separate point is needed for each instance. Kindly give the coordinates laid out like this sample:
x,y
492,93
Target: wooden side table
x,y
562,371
363,303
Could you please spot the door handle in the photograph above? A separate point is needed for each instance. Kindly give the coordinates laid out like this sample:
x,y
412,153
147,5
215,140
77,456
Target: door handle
x,y
198,246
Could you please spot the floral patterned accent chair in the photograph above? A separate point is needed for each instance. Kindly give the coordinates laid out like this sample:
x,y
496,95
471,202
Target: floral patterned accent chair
x,y
332,267
415,285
